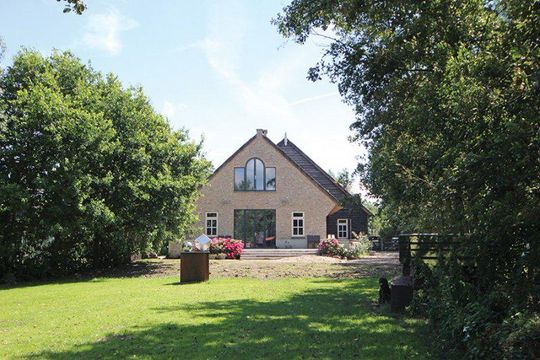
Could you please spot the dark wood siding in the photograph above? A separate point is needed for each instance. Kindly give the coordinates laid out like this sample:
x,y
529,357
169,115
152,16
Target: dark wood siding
x,y
358,221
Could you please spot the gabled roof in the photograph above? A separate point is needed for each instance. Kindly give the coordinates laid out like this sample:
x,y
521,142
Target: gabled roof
x,y
271,143
303,163
234,154
313,170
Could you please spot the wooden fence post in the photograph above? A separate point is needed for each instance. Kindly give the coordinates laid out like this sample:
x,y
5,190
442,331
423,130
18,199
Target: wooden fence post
x,y
404,254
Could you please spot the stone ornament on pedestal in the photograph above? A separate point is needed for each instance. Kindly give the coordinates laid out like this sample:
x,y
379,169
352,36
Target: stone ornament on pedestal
x,y
195,264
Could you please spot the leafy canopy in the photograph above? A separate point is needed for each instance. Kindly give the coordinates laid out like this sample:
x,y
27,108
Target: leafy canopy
x,y
89,173
447,100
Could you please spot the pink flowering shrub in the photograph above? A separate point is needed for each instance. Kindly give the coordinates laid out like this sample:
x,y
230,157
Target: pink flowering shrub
x,y
331,247
216,246
230,247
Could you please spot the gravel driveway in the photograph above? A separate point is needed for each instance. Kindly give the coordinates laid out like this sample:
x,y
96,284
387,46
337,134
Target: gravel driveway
x,y
379,264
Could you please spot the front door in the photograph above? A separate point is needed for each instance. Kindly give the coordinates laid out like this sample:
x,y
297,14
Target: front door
x,y
256,228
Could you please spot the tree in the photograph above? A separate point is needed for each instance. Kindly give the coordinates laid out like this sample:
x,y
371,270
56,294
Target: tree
x,y
447,97
89,173
2,48
343,178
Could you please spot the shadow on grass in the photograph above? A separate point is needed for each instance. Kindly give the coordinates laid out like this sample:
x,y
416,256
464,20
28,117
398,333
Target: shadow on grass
x,y
322,323
141,268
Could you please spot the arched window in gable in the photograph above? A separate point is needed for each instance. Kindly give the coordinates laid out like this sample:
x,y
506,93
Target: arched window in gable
x,y
254,177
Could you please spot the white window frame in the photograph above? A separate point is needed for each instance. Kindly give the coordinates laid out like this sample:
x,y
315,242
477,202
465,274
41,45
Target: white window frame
x,y
344,222
301,228
212,227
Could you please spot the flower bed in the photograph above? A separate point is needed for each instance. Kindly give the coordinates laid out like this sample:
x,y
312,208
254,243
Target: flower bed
x,y
231,248
332,247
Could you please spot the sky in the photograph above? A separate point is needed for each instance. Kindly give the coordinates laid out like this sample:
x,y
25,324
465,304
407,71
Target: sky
x,y
217,68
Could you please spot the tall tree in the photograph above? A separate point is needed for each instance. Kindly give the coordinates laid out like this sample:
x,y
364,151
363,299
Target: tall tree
x,y
343,178
447,97
89,173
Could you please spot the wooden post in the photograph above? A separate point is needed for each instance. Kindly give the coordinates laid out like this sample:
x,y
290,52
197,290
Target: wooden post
x,y
194,266
405,254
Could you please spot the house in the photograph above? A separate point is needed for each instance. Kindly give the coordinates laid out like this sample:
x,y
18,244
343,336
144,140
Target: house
x,y
274,195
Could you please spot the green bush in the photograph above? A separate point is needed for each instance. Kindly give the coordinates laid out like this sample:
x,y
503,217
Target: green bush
x,y
468,324
332,247
362,245
89,173
521,336
446,95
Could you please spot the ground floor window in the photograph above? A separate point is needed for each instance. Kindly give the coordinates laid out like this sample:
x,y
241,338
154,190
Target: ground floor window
x,y
343,228
211,223
297,224
256,228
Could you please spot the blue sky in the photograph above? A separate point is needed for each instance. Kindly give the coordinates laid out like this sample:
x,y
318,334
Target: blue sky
x,y
217,68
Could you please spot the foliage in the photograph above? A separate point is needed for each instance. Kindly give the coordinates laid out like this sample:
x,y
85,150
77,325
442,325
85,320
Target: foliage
x,y
361,245
332,247
343,178
447,96
216,246
489,327
230,247
2,48
521,336
224,318
380,223
78,6
89,173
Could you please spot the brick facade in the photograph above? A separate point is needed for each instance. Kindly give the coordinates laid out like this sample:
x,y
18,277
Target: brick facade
x,y
295,192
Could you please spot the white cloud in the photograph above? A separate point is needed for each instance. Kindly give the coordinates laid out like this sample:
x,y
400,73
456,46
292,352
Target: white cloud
x,y
313,98
271,96
103,30
171,109
261,99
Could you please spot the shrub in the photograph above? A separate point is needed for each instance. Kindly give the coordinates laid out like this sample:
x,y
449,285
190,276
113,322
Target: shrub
x,y
470,323
230,247
361,246
106,177
216,246
330,247
522,337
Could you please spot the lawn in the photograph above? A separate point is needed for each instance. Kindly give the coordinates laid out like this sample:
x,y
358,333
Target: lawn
x,y
224,318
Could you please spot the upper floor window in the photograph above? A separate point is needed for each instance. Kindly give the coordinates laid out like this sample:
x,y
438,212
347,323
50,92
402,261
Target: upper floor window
x,y
254,177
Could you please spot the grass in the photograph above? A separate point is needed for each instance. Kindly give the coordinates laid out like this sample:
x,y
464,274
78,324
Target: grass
x,y
225,318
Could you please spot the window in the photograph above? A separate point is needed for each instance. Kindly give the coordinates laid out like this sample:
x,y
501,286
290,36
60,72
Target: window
x,y
270,178
255,227
254,177
211,223
343,228
297,224
240,179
